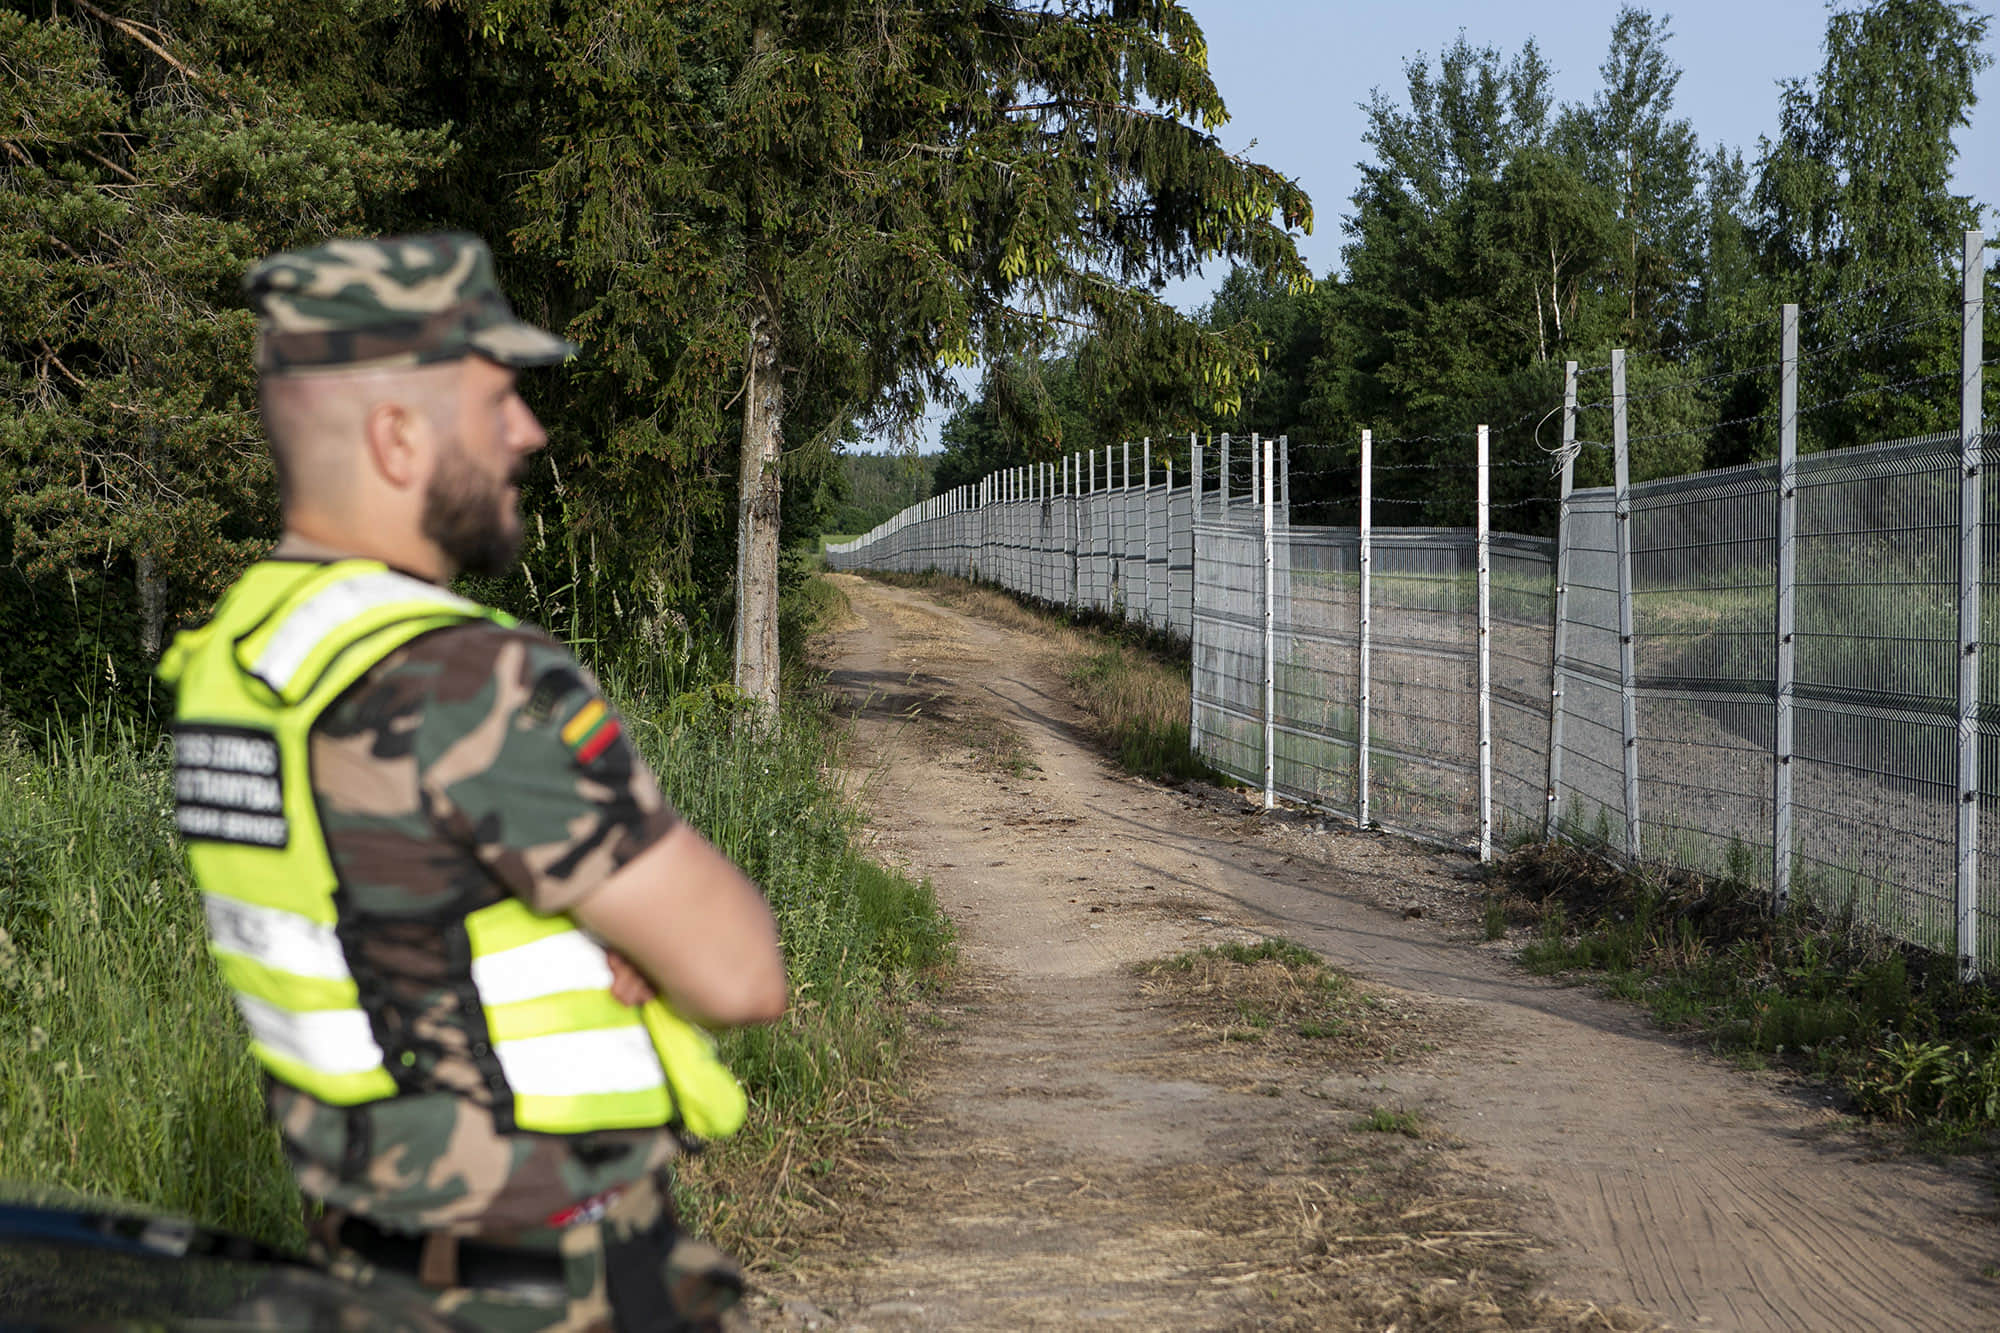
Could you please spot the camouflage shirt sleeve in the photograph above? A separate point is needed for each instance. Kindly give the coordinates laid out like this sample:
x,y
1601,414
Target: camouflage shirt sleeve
x,y
522,762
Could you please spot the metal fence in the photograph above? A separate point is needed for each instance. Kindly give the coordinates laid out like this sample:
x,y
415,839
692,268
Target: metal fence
x,y
1777,671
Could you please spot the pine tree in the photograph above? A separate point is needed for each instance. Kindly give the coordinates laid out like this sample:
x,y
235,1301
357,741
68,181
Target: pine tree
x,y
782,219
144,165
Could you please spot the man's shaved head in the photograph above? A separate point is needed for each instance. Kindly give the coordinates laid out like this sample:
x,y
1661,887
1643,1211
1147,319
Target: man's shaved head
x,y
424,456
316,423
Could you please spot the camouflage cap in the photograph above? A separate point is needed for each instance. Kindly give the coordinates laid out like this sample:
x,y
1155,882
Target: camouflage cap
x,y
402,300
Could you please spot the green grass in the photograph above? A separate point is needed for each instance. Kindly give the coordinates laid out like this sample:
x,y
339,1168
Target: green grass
x,y
124,1073
1382,1120
1889,1023
1141,704
122,1063
1271,985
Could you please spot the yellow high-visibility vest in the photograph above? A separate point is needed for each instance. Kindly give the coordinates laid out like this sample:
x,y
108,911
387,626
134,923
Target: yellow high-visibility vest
x,y
563,1055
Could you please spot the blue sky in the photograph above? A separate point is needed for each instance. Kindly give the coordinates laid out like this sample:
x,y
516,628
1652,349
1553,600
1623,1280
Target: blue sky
x,y
1296,73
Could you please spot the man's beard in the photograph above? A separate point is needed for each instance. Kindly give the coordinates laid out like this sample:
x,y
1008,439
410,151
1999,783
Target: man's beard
x,y
468,515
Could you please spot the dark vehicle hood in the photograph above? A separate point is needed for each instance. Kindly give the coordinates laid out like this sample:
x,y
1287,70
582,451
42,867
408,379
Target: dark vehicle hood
x,y
65,1267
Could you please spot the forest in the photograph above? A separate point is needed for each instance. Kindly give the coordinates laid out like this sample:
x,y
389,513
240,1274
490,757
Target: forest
x,y
778,232
1497,234
773,230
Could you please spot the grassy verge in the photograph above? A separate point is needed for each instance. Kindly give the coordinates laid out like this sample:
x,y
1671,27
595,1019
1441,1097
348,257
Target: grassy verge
x,y
1892,1025
123,1070
1134,683
857,939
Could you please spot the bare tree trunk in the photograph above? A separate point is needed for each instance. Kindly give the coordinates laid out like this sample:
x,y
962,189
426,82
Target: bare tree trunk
x,y
757,520
152,606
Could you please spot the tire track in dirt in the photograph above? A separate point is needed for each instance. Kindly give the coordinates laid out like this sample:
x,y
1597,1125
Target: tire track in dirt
x,y
1658,1177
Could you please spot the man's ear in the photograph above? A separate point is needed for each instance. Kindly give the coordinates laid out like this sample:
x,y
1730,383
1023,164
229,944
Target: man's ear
x,y
395,446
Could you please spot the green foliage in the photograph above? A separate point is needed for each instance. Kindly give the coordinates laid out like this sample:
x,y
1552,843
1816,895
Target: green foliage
x,y
1931,1081
874,488
870,197
1854,213
145,166
1891,1024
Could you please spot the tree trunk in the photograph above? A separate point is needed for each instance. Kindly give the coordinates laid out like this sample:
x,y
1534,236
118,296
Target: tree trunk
x,y
757,520
152,606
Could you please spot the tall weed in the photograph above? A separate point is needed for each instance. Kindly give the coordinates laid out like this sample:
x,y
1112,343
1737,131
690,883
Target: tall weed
x,y
1893,1025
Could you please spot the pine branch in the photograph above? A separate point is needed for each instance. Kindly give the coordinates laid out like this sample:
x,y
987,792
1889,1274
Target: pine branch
x,y
135,32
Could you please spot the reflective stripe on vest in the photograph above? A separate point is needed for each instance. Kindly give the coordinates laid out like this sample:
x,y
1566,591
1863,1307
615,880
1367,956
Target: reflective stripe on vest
x,y
558,1032
284,644
316,622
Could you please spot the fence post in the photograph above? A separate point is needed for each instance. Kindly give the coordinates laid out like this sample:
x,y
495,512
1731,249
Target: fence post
x,y
1069,547
1559,648
1971,428
1485,578
1270,630
1222,479
1367,557
1285,477
1194,592
1788,570
1145,528
1627,675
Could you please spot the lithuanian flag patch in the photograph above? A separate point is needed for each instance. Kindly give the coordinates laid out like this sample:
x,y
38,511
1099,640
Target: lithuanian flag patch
x,y
590,733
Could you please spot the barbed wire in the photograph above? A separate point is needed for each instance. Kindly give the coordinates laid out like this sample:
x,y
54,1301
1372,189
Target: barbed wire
x,y
1928,267
1866,390
1768,414
1854,341
1733,331
1686,385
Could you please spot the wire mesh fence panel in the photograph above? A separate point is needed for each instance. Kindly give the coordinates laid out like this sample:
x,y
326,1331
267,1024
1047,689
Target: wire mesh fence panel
x,y
1317,666
1704,593
1228,646
1180,562
1130,552
1876,768
1423,751
1049,547
1523,609
1987,916
1157,539
1089,569
1590,798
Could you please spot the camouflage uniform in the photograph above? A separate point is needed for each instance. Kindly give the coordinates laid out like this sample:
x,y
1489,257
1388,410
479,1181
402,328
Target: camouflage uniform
x,y
453,774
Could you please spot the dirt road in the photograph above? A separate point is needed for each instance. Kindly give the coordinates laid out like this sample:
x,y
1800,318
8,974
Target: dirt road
x,y
1076,1155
